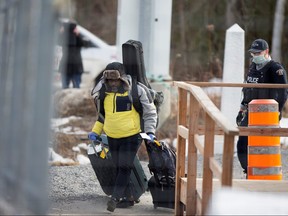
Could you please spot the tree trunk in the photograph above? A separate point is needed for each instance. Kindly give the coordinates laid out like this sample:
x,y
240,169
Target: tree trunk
x,y
230,13
278,29
183,42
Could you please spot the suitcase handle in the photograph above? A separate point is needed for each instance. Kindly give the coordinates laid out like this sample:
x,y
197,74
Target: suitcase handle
x,y
99,142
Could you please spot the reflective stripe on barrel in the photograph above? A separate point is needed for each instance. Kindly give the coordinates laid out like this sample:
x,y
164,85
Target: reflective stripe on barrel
x,y
259,150
264,153
262,171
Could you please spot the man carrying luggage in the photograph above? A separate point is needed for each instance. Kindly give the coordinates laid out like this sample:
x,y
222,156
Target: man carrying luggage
x,y
118,118
261,70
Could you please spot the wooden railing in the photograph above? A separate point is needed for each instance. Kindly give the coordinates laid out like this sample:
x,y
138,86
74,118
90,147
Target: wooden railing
x,y
191,100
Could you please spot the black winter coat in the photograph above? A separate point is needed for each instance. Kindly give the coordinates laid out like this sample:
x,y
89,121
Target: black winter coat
x,y
72,60
273,72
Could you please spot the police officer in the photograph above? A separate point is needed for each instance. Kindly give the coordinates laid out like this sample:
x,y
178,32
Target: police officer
x,y
261,70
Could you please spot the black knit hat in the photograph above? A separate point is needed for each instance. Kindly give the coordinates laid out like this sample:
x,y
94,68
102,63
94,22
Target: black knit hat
x,y
258,45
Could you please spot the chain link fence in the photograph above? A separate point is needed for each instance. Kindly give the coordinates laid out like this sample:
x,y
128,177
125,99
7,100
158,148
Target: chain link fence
x,y
27,36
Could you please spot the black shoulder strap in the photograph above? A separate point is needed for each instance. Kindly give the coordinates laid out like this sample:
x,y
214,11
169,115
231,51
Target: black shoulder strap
x,y
101,110
135,97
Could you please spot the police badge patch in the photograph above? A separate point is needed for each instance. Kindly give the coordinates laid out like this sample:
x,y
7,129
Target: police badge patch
x,y
280,72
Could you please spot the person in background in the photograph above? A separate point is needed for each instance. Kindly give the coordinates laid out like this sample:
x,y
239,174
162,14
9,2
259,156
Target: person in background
x,y
118,118
261,70
71,67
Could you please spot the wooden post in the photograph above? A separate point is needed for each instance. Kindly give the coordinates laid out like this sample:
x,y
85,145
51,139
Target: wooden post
x,y
181,145
227,160
208,152
192,158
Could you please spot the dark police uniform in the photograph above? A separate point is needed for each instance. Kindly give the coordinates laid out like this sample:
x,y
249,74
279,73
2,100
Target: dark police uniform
x,y
272,72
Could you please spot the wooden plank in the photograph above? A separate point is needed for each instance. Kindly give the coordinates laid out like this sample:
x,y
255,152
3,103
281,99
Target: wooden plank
x,y
183,131
198,195
182,105
192,157
261,185
265,186
199,144
208,152
216,168
263,131
183,190
181,146
227,159
241,85
180,172
199,204
201,130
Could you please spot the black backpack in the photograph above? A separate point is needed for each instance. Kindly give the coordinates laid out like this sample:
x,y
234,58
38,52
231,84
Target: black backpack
x,y
162,163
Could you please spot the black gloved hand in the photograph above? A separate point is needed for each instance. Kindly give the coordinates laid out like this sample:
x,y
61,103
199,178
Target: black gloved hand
x,y
239,117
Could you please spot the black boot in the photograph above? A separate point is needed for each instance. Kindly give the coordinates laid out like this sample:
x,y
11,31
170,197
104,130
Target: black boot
x,y
125,203
111,204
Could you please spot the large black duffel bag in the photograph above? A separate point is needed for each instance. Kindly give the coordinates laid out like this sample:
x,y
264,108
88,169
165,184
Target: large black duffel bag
x,y
105,170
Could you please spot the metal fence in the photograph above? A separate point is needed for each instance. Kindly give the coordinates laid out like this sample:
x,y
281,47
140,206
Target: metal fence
x,y
26,55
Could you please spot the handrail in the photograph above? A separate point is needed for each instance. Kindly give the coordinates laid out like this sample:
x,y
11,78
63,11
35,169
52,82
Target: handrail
x,y
247,85
191,100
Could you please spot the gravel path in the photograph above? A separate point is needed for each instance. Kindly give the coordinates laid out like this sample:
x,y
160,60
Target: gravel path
x,y
75,190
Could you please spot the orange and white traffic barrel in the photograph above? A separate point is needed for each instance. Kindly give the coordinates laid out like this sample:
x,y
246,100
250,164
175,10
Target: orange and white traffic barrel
x,y
264,153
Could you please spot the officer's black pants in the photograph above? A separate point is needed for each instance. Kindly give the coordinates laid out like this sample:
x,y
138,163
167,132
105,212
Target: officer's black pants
x,y
242,146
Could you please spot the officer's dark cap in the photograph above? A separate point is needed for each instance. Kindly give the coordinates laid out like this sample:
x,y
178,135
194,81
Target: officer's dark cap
x,y
258,45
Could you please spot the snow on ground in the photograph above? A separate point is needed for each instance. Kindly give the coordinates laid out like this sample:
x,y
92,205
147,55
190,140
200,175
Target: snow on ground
x,y
53,157
56,122
56,158
71,130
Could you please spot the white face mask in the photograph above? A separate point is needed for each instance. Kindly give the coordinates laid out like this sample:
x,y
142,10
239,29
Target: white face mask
x,y
259,59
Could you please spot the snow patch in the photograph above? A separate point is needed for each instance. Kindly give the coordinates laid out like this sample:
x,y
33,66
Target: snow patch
x,y
54,157
56,122
82,159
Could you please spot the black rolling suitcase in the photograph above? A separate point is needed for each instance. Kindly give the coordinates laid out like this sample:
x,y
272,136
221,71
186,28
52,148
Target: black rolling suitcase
x,y
162,164
105,170
163,195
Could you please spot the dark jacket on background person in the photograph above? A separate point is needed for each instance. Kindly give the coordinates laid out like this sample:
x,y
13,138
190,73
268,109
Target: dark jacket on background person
x,y
72,51
71,66
272,72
